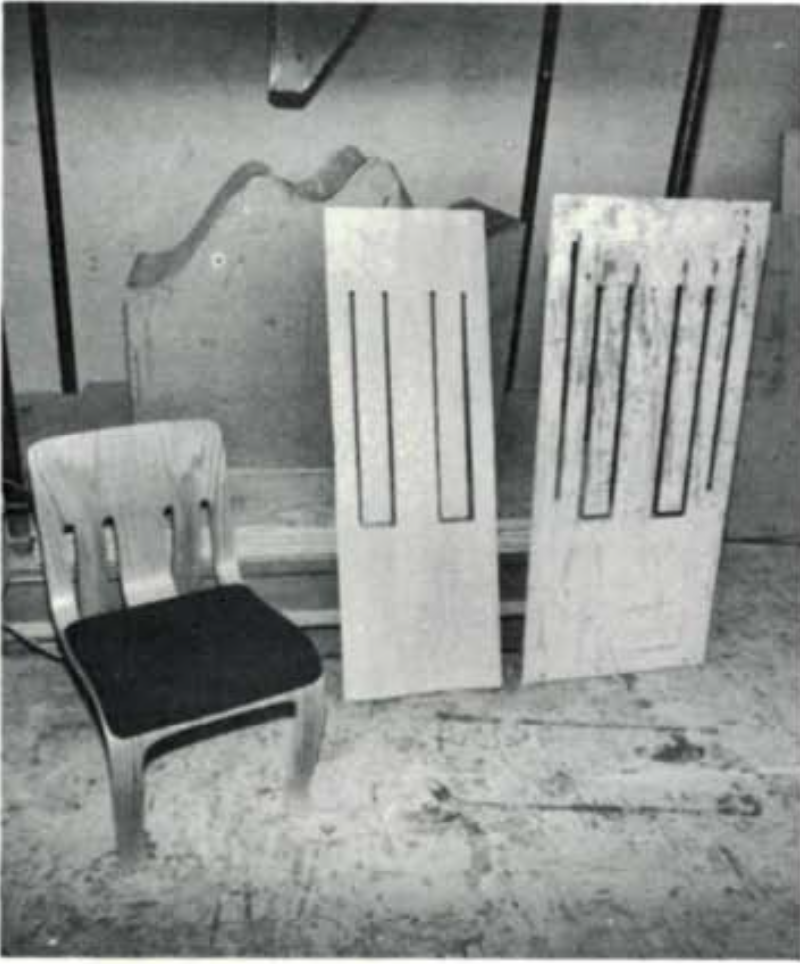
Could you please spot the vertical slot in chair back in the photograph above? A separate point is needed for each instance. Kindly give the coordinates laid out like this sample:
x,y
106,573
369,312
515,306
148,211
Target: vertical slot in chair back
x,y
133,502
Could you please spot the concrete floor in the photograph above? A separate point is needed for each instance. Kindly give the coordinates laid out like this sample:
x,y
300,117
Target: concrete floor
x,y
651,815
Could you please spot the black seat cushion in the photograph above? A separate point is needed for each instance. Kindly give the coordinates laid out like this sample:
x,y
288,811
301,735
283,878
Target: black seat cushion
x,y
181,659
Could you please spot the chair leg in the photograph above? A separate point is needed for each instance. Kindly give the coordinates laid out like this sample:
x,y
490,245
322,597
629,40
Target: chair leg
x,y
306,738
126,773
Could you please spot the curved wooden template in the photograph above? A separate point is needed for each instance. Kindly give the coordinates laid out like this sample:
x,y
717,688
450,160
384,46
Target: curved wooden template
x,y
153,268
234,328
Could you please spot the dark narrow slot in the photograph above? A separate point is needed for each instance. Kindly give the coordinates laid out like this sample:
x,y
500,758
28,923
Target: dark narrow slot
x,y
467,408
566,370
363,521
589,411
662,440
351,300
436,425
698,395
387,374
621,386
723,387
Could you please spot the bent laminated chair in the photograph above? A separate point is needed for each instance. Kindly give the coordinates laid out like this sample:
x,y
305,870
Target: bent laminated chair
x,y
158,652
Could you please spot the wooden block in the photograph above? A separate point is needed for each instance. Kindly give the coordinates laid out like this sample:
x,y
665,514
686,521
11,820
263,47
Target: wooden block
x,y
648,324
307,40
230,324
414,455
790,173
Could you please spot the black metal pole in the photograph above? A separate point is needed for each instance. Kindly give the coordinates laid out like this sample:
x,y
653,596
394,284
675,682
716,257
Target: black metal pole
x,y
43,85
695,96
533,168
13,472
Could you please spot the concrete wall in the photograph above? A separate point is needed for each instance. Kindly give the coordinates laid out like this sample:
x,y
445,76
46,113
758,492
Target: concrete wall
x,y
156,104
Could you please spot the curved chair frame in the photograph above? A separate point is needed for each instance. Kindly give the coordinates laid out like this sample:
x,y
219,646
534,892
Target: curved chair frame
x,y
131,478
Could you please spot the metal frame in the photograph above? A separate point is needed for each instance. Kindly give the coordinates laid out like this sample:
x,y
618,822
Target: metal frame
x,y
695,96
48,143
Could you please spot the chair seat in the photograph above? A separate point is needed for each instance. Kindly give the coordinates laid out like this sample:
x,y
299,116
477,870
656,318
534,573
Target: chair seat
x,y
181,659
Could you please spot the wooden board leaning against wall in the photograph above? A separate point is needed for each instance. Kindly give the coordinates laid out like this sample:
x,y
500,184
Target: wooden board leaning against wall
x,y
648,326
285,517
415,487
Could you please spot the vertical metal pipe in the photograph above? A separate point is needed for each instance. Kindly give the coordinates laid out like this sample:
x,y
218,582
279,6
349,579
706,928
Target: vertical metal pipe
x,y
695,96
13,473
43,85
533,166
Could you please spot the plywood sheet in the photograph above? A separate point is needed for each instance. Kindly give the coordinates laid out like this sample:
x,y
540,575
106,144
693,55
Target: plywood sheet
x,y
648,325
411,396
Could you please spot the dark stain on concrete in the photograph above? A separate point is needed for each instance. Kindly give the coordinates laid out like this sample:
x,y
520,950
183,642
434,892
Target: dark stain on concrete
x,y
610,725
739,805
679,750
616,809
441,793
448,717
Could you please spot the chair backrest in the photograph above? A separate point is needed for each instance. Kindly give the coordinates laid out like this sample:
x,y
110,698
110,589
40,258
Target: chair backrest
x,y
133,500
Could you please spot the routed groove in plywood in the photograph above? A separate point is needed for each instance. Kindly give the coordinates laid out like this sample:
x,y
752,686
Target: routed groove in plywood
x,y
683,397
566,370
608,365
453,441
419,599
591,407
723,384
669,402
373,431
645,355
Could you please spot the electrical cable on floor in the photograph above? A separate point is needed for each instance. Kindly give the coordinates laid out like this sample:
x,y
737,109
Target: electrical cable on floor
x,y
32,645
